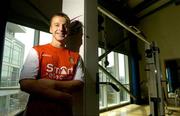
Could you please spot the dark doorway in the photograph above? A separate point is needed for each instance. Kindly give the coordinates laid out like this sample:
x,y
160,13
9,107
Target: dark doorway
x,y
173,74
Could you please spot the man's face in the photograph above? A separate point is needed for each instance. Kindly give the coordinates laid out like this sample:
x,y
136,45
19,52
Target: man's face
x,y
59,28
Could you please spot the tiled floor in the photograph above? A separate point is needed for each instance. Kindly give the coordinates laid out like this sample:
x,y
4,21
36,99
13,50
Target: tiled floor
x,y
134,110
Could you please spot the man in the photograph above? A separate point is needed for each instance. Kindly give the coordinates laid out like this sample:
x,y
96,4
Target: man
x,y
51,73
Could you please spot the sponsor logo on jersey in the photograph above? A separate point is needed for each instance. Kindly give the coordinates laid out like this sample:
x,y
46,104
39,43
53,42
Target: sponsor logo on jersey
x,y
59,73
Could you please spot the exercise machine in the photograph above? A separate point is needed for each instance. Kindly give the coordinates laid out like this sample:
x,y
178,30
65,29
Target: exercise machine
x,y
156,100
153,70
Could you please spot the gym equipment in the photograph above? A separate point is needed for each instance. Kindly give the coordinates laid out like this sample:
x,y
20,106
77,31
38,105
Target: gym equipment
x,y
153,67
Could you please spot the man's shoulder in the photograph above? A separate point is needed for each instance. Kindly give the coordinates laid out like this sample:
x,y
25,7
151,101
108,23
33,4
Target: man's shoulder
x,y
73,53
41,47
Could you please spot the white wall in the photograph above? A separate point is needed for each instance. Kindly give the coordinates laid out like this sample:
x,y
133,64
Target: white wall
x,y
88,10
74,8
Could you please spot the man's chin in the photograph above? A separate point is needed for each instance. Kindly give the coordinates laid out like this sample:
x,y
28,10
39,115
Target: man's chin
x,y
61,39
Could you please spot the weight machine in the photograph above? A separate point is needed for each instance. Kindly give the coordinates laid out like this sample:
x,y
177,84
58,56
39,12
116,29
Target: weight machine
x,y
156,100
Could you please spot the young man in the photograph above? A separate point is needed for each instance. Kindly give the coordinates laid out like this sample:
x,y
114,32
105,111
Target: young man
x,y
51,73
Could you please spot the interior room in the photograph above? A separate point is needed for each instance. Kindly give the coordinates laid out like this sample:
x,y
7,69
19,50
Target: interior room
x,y
130,50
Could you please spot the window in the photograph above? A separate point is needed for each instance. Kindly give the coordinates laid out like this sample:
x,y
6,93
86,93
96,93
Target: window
x,y
118,67
7,48
18,42
17,54
44,38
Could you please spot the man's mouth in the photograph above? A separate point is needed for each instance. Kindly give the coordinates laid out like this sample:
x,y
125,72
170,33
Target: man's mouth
x,y
60,34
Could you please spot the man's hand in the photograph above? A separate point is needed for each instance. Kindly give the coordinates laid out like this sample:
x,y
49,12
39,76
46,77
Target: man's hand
x,y
69,86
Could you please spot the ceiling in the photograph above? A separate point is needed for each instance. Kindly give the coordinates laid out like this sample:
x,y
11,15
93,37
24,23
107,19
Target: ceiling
x,y
115,37
36,13
132,11
33,13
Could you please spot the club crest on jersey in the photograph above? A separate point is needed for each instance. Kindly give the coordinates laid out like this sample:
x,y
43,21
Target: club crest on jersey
x,y
71,60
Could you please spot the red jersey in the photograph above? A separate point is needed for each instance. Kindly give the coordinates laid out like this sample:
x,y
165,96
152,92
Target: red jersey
x,y
56,63
49,62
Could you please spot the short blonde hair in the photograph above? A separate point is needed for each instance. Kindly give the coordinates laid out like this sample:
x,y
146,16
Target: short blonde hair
x,y
61,14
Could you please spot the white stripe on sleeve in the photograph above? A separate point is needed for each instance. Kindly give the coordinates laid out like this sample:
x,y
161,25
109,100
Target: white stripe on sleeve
x,y
79,75
31,66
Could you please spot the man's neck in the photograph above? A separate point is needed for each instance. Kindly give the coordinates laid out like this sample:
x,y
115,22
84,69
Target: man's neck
x,y
57,44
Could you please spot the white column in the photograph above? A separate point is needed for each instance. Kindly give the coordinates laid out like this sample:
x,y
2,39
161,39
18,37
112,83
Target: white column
x,y
75,8
87,10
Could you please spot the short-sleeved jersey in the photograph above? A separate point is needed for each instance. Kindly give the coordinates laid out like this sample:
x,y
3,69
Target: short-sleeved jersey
x,y
49,62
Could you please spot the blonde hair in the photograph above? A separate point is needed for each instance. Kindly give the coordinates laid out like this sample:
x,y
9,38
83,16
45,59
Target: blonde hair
x,y
61,15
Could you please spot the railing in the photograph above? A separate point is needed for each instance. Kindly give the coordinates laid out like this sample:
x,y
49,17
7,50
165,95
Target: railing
x,y
9,83
13,100
116,81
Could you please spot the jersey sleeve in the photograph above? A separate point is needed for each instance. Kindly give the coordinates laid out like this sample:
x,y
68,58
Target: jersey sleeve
x,y
79,74
31,66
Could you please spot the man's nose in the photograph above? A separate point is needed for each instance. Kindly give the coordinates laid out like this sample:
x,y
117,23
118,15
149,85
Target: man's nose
x,y
61,28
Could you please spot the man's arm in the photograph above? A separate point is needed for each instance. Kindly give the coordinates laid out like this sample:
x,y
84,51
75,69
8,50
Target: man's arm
x,y
44,88
69,86
77,83
51,88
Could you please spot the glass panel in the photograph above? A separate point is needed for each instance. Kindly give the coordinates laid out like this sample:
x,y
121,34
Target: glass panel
x,y
123,76
111,67
14,76
12,102
3,109
18,41
4,75
118,67
111,93
7,48
121,68
111,96
45,38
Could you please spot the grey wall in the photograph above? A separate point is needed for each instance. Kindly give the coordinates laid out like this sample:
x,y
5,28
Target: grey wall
x,y
163,27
